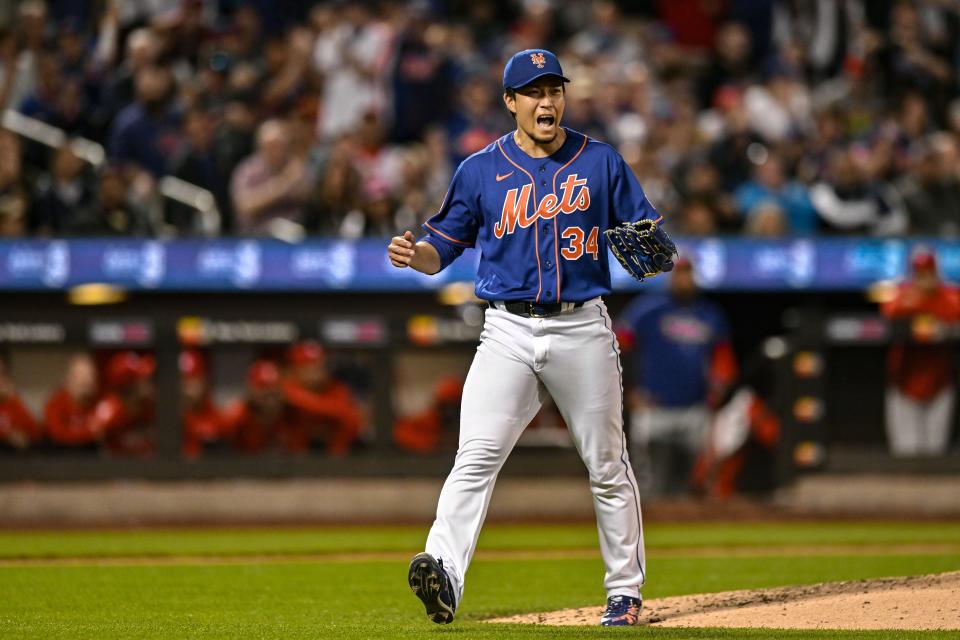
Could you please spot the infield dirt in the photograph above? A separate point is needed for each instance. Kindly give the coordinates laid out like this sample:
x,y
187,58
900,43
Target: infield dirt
x,y
911,603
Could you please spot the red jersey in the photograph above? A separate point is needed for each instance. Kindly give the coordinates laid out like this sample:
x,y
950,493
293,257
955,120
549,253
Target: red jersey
x,y
251,433
921,371
330,413
70,423
202,425
127,433
16,421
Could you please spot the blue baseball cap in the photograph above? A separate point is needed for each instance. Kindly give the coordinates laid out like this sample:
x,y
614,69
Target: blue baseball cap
x,y
528,65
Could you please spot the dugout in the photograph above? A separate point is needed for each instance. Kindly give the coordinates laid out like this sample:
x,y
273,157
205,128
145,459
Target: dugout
x,y
394,334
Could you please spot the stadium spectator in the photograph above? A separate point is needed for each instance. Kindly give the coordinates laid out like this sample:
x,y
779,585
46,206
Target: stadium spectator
x,y
11,164
119,85
287,63
780,108
930,190
28,35
352,53
127,408
270,185
846,199
767,220
13,214
63,193
72,417
479,119
699,181
736,148
379,163
770,184
233,141
335,201
114,212
731,65
146,133
198,163
14,84
325,407
682,361
57,99
376,219
18,428
421,74
920,373
262,421
204,426
695,218
184,31
908,59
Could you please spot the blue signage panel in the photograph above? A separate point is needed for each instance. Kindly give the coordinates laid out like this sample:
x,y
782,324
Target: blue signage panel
x,y
721,264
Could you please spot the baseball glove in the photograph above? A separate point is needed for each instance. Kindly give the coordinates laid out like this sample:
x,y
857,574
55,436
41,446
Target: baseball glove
x,y
642,247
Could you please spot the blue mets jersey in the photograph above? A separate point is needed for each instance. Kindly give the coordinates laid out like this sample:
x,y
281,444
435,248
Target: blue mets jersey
x,y
675,345
538,221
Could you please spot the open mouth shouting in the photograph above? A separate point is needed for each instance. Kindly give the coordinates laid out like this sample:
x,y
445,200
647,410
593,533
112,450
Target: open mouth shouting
x,y
545,123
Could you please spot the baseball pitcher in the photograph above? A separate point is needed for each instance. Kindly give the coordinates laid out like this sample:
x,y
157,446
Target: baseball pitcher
x,y
542,203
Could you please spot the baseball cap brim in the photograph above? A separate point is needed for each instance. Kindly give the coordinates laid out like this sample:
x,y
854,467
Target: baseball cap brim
x,y
537,77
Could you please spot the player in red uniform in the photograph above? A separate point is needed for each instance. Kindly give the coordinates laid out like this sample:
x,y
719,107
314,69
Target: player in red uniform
x,y
921,394
743,430
424,433
18,429
127,408
325,406
261,420
71,416
203,423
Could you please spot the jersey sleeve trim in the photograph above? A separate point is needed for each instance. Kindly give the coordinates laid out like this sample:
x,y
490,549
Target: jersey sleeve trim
x,y
445,236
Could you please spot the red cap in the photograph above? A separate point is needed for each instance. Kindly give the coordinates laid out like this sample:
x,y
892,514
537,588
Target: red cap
x,y
192,365
126,367
263,374
923,261
306,352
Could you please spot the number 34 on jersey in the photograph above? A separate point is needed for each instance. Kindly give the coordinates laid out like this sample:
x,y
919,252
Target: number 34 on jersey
x,y
574,196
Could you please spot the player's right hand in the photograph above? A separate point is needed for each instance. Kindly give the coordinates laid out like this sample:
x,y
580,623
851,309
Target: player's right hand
x,y
402,249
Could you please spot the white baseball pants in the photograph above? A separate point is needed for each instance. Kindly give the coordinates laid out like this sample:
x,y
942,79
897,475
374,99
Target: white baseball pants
x,y
575,357
919,428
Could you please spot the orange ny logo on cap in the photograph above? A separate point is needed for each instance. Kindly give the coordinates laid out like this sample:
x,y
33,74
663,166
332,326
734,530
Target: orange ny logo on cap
x,y
538,60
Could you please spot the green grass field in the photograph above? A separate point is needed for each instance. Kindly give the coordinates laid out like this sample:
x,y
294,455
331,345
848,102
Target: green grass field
x,y
351,582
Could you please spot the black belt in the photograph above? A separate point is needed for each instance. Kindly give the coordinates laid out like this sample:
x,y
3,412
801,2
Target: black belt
x,y
534,309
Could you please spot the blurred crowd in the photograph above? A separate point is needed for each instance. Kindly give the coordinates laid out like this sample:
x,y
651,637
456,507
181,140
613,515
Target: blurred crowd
x,y
106,403
348,118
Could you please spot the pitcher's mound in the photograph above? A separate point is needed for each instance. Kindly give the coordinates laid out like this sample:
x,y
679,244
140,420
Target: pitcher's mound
x,y
924,602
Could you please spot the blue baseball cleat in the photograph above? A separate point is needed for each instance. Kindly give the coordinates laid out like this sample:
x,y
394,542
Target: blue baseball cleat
x,y
622,611
430,583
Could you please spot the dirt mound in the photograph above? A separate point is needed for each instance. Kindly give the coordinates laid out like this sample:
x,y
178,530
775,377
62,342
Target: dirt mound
x,y
924,602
